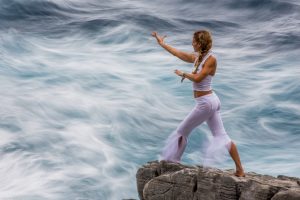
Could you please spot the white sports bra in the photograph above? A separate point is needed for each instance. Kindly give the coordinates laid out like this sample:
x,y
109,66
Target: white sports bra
x,y
205,84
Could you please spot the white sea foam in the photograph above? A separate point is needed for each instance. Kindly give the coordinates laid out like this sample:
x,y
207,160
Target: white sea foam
x,y
88,96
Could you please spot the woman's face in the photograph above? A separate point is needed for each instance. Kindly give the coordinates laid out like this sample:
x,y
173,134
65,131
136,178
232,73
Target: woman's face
x,y
195,45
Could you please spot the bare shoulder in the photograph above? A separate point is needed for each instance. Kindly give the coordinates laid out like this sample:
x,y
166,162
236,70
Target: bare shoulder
x,y
211,61
210,65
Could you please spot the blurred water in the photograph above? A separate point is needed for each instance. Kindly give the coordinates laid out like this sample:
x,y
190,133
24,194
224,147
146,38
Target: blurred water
x,y
88,96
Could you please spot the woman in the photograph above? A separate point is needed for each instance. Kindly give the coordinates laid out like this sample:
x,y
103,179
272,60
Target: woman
x,y
207,106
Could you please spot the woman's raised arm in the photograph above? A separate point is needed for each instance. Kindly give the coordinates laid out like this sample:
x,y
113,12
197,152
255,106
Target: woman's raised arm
x,y
187,57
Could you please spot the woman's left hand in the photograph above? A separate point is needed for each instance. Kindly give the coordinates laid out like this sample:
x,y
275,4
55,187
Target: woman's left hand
x,y
178,72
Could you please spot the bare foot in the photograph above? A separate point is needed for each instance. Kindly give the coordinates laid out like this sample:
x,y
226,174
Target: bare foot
x,y
239,174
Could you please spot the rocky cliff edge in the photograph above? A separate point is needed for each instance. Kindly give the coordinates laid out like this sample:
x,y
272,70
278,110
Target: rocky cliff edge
x,y
171,181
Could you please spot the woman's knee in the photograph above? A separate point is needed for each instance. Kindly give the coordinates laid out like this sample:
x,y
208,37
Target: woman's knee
x,y
180,141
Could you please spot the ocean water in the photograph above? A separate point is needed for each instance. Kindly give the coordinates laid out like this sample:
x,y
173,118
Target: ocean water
x,y
88,96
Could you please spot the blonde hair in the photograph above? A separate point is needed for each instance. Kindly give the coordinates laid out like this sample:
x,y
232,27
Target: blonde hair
x,y
202,37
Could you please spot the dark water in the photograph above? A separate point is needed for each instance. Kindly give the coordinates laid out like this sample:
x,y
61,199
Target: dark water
x,y
87,95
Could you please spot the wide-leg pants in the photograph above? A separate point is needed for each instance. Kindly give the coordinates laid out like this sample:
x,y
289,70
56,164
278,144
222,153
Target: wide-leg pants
x,y
207,109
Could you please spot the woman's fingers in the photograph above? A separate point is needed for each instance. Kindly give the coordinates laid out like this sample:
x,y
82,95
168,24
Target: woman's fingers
x,y
178,72
158,38
154,34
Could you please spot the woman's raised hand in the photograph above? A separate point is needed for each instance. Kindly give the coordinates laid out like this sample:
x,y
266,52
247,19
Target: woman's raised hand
x,y
159,39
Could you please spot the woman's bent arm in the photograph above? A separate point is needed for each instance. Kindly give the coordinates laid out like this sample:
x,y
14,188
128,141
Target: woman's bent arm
x,y
206,69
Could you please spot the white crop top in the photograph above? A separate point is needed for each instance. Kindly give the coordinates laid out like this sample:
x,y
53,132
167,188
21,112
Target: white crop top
x,y
205,84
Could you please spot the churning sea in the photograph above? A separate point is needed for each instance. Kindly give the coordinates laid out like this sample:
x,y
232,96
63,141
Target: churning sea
x,y
88,96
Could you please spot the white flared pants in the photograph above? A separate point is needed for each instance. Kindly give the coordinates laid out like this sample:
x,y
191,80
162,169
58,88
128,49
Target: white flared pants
x,y
207,109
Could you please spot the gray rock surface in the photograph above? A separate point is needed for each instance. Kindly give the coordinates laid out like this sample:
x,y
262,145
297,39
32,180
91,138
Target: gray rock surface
x,y
171,181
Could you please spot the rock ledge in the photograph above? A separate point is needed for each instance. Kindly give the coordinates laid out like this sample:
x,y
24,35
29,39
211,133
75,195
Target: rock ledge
x,y
170,181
